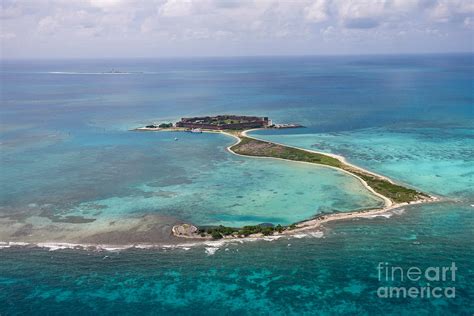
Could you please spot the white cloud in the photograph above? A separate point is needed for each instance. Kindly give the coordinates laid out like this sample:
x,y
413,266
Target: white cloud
x,y
7,36
327,31
452,10
105,3
160,22
176,8
373,13
469,23
10,12
317,11
48,25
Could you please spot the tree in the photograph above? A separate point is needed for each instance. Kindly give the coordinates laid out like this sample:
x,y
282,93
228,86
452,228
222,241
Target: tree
x,y
216,235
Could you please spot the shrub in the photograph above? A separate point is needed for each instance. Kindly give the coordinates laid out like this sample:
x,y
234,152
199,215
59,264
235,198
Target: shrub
x,y
279,228
216,235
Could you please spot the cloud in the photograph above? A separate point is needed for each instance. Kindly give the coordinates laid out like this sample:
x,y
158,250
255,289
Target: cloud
x,y
327,31
9,12
163,23
48,25
469,23
231,4
452,10
7,36
361,23
176,8
373,13
317,11
105,3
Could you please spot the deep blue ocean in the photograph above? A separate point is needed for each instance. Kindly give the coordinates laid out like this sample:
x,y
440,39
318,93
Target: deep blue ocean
x,y
71,171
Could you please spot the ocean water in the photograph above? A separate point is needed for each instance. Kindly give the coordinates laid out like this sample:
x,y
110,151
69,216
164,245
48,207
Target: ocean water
x,y
438,160
335,274
71,171
193,179
69,159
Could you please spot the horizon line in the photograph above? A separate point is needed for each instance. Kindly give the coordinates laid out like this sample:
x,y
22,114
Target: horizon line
x,y
236,56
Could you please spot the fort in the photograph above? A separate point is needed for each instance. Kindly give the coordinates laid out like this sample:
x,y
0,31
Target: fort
x,y
225,122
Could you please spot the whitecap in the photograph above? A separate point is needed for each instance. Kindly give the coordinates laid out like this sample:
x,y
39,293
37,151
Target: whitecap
x,y
141,246
399,211
300,235
59,246
386,215
211,250
217,243
18,243
272,238
317,234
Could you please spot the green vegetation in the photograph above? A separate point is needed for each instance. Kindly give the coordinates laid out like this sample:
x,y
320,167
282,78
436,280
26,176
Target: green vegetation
x,y
216,235
394,192
253,147
221,231
162,125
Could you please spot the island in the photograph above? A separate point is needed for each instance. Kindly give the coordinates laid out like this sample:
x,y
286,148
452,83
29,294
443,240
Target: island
x,y
394,195
218,123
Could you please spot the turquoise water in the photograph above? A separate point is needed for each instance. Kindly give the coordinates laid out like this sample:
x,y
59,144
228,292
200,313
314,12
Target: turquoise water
x,y
438,160
331,275
239,191
135,174
71,171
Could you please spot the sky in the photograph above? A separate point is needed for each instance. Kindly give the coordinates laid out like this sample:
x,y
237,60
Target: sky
x,y
186,28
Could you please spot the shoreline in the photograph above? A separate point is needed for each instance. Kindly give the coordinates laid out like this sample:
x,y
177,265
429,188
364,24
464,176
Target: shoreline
x,y
311,226
386,200
307,228
321,219
315,223
341,158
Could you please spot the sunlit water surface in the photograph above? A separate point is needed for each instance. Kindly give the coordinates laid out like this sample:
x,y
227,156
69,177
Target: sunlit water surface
x,y
68,158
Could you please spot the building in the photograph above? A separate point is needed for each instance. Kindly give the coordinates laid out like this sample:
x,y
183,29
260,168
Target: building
x,y
221,122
